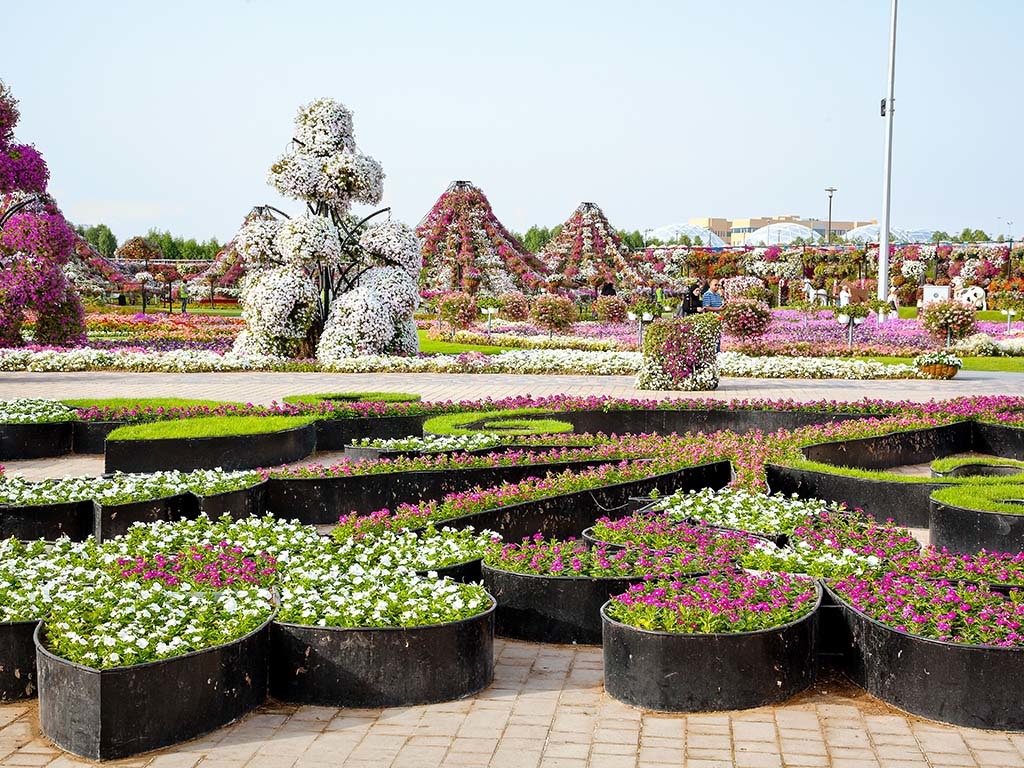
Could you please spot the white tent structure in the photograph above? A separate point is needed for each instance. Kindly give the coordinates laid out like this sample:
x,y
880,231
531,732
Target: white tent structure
x,y
672,232
781,233
868,233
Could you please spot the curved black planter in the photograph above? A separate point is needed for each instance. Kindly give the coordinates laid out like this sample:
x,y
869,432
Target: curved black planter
x,y
381,667
671,672
113,713
999,440
566,515
245,502
912,446
905,502
229,452
680,421
980,470
35,441
322,500
17,660
967,685
335,434
91,436
592,541
467,572
111,520
73,519
551,609
970,530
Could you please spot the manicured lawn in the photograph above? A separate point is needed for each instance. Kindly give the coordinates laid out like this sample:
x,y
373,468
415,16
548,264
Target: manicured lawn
x,y
431,347
1011,364
211,426
910,313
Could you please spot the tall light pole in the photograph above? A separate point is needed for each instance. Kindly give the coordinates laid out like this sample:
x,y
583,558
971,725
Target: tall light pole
x,y
828,231
887,112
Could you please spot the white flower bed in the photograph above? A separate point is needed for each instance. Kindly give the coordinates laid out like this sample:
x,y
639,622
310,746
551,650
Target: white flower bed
x,y
430,443
32,410
806,559
737,508
120,488
780,367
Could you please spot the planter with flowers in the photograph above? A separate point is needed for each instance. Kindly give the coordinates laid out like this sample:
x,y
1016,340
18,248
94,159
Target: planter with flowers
x,y
681,354
938,365
946,650
724,641
551,591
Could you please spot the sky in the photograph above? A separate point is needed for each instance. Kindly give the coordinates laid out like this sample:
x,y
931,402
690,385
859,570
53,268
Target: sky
x,y
167,115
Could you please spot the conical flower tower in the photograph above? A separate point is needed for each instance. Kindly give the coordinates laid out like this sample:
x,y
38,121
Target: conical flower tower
x,y
466,248
588,253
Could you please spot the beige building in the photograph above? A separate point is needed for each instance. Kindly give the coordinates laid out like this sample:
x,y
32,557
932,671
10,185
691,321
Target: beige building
x,y
733,231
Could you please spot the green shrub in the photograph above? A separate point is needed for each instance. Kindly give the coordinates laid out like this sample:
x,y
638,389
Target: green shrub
x,y
553,312
610,309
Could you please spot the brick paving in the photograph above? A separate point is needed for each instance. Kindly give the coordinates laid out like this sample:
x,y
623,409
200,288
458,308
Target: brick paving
x,y
547,707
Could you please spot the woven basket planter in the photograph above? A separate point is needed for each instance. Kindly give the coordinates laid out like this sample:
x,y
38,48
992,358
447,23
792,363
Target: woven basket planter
x,y
939,371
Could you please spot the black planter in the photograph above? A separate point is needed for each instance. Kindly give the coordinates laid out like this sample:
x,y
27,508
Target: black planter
x,y
73,519
17,660
671,672
467,573
110,520
35,441
568,514
365,453
905,502
999,440
91,436
967,685
914,446
551,609
969,530
335,434
381,667
245,502
681,421
322,500
113,713
230,452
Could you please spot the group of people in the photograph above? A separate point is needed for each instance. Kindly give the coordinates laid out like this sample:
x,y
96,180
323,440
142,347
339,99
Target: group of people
x,y
703,297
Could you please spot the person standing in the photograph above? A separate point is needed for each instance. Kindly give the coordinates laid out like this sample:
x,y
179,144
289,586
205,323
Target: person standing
x,y
712,300
183,295
844,295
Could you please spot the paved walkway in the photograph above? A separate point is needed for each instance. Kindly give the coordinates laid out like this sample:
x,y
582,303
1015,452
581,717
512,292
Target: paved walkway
x,y
266,387
547,707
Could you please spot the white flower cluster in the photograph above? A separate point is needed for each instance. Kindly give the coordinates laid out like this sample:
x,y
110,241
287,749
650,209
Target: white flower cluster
x,y
741,509
308,241
788,266
120,488
34,410
420,551
376,316
969,271
912,270
803,558
175,361
785,367
279,304
433,443
325,165
256,242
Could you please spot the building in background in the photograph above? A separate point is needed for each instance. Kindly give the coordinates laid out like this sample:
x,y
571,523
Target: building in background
x,y
735,231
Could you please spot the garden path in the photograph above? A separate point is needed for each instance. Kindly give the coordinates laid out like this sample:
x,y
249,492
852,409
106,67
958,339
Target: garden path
x,y
264,387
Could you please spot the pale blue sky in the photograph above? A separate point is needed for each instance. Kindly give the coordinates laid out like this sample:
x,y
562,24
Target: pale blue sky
x,y
167,114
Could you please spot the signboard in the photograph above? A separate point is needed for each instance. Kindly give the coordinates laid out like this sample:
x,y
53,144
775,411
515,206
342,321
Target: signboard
x,y
935,293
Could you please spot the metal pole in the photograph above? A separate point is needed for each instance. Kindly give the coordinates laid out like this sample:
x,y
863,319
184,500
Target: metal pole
x,y
883,239
828,232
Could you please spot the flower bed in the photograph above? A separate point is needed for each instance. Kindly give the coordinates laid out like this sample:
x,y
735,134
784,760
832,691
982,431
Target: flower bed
x,y
723,641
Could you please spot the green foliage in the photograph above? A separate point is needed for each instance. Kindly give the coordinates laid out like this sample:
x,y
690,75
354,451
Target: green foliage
x,y
99,237
950,463
505,422
209,426
352,397
633,239
144,402
174,247
537,237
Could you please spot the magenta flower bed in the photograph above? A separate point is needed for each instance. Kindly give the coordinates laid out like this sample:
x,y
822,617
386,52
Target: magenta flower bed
x,y
208,566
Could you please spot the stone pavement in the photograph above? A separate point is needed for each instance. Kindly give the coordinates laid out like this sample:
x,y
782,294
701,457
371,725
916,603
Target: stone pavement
x,y
547,707
266,387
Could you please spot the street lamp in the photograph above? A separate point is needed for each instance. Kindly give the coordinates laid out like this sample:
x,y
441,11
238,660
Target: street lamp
x,y
828,232
888,106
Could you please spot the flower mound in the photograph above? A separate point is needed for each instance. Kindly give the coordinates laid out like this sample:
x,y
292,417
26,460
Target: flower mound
x,y
681,354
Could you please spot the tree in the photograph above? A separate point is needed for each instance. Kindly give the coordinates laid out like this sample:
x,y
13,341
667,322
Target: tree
x,y
633,239
697,241
685,240
940,236
536,238
99,237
